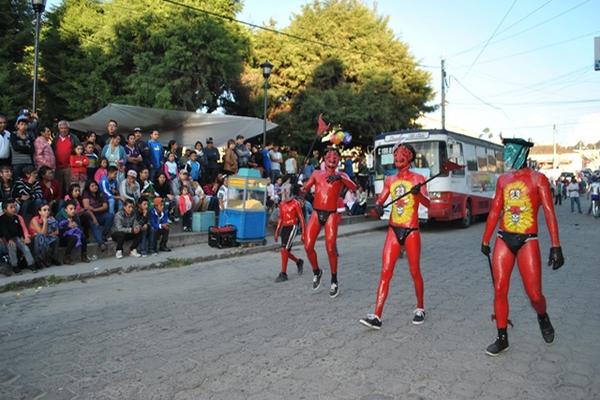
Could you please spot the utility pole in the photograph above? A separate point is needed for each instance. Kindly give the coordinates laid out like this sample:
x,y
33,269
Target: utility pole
x,y
443,94
554,146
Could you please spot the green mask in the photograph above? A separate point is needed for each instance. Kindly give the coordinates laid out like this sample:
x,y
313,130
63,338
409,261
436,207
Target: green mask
x,y
515,153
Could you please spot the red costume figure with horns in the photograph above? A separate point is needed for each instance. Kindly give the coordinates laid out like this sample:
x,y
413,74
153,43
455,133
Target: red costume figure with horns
x,y
520,192
328,184
403,230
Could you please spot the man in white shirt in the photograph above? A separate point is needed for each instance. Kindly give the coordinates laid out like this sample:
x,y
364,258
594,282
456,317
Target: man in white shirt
x,y
594,192
573,193
4,142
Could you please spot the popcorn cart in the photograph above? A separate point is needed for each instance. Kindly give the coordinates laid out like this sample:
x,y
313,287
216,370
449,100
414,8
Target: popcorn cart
x,y
246,210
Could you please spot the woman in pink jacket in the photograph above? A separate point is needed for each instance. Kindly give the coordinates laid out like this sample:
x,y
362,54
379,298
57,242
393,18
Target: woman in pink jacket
x,y
43,154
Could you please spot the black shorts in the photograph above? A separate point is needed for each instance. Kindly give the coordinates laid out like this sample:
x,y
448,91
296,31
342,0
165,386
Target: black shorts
x,y
514,241
402,233
288,234
323,216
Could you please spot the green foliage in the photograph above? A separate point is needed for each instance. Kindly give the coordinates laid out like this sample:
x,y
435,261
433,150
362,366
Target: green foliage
x,y
156,54
16,44
367,82
147,53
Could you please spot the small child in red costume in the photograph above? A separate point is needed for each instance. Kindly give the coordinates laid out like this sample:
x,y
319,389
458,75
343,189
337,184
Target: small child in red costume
x,y
290,213
328,183
403,231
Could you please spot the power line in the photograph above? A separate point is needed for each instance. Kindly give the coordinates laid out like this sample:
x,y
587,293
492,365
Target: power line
x,y
296,37
491,37
475,96
538,48
543,22
503,30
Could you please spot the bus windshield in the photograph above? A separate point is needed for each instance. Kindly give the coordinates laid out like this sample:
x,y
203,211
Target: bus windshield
x,y
430,154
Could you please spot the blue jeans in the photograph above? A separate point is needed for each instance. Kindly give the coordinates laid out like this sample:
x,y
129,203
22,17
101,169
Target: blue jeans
x,y
575,200
102,229
146,240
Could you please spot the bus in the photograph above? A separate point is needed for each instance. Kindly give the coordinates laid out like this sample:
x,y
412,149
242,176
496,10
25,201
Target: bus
x,y
457,196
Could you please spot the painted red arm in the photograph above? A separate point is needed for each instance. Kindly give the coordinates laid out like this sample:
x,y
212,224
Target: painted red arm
x,y
309,184
423,195
548,207
384,193
301,217
349,183
494,214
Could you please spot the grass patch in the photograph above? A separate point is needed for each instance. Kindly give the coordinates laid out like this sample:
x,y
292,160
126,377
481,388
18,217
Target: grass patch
x,y
177,262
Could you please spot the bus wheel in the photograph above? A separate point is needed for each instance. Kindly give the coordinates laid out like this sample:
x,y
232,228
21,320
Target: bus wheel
x,y
467,219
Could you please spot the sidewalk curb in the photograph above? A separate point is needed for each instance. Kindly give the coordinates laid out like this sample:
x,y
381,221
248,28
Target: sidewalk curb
x,y
36,282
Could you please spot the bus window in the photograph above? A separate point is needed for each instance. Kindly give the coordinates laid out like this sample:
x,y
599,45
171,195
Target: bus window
x,y
491,160
470,158
457,156
499,162
481,159
430,155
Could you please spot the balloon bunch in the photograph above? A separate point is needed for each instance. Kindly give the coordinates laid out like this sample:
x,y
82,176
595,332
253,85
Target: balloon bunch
x,y
339,137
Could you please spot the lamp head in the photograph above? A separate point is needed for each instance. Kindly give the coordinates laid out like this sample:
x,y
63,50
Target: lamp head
x,y
38,5
267,67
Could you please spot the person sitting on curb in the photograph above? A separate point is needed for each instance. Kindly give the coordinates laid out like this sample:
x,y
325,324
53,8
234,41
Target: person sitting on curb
x,y
44,230
71,233
15,235
159,225
142,218
126,228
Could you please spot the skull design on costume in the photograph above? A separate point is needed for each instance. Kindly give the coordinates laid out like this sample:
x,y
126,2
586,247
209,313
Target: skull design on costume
x,y
332,159
515,213
400,190
403,156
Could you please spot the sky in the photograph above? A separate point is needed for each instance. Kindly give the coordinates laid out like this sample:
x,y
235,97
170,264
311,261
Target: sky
x,y
514,66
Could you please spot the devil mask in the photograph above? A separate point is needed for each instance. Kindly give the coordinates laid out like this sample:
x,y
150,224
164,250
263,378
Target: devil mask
x,y
404,154
332,159
515,153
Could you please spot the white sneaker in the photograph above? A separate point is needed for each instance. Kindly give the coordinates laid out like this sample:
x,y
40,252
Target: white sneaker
x,y
419,317
119,253
134,253
154,254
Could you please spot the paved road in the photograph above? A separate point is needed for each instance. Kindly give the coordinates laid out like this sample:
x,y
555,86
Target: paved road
x,y
224,330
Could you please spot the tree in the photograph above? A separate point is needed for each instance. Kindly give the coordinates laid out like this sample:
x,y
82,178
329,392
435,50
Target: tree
x,y
363,78
147,53
16,47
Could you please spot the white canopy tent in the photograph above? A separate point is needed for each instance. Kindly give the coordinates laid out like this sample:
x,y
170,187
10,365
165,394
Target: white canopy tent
x,y
184,126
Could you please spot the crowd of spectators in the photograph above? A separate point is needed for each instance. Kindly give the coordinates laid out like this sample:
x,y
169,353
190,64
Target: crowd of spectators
x,y
65,189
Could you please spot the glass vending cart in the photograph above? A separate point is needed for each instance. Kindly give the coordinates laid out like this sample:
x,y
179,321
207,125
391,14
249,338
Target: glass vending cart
x,y
246,208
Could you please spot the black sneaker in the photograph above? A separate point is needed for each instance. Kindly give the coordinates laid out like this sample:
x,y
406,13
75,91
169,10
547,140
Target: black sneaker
x,y
372,321
546,328
419,317
164,248
317,280
300,265
499,346
282,277
334,290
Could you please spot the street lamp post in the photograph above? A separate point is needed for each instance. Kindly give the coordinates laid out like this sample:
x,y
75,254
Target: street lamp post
x,y
266,71
38,6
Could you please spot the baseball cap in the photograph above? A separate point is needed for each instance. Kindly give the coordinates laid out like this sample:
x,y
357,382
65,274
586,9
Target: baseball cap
x,y
132,173
209,140
22,118
137,129
24,111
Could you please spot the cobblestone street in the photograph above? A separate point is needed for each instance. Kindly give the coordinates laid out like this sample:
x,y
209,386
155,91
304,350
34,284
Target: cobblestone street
x,y
225,330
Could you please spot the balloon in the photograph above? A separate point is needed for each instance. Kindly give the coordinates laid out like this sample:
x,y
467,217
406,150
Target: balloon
x,y
347,138
337,138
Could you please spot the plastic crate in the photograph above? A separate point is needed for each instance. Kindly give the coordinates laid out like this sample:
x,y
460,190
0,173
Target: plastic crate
x,y
201,221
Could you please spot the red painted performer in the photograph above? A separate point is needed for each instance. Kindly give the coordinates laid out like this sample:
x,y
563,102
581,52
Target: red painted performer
x,y
329,184
403,231
519,194
290,214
